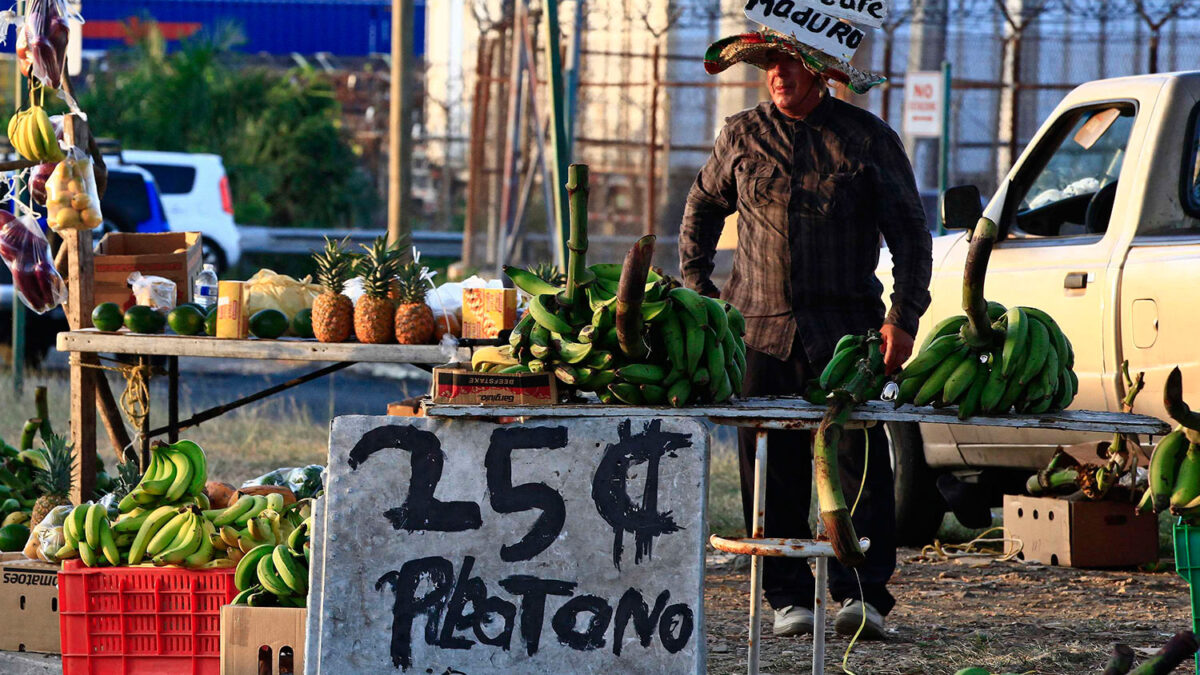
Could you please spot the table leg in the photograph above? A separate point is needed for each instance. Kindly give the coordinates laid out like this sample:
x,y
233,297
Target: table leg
x,y
822,584
144,431
173,399
756,562
83,429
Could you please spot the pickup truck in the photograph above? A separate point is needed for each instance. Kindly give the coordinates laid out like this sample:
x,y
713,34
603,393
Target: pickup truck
x,y
1100,227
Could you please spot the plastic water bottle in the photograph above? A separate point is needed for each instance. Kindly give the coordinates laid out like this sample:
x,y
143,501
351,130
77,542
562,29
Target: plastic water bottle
x,y
204,293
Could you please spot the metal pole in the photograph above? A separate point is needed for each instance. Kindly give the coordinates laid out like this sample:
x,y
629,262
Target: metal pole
x,y
651,148
571,88
512,140
558,131
400,143
756,562
18,309
944,139
821,579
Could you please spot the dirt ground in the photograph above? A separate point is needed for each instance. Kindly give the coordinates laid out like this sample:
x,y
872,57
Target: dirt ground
x,y
1005,616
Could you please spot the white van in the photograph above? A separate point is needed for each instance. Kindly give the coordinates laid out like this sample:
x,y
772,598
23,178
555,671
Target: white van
x,y
195,193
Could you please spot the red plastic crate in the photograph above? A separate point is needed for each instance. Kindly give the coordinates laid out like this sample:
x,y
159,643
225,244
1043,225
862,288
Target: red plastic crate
x,y
141,620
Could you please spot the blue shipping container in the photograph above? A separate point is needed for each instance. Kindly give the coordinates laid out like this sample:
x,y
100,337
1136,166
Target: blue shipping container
x,y
340,27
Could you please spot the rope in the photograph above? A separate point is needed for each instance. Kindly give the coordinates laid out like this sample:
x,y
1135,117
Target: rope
x,y
974,548
863,624
135,400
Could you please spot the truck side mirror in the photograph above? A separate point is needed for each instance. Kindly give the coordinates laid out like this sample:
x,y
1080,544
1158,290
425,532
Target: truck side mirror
x,y
961,207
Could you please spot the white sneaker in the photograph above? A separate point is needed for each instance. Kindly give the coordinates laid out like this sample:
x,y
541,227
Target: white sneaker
x,y
850,617
793,620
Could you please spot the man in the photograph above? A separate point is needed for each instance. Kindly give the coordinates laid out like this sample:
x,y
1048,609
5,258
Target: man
x,y
815,181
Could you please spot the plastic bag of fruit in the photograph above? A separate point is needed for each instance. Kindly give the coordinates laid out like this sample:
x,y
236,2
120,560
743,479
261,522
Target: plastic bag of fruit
x,y
26,252
304,482
47,536
270,290
42,41
72,202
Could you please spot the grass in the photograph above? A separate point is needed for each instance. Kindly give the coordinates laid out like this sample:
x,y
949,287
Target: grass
x,y
242,444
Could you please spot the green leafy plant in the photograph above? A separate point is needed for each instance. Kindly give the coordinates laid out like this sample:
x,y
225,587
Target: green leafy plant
x,y
279,132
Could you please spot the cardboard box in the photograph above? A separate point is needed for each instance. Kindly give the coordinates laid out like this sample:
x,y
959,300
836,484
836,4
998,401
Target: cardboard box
x,y
232,321
410,407
487,311
459,385
174,255
246,630
1081,534
29,605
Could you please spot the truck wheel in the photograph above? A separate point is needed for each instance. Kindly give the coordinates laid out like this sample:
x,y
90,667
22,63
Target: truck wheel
x,y
919,506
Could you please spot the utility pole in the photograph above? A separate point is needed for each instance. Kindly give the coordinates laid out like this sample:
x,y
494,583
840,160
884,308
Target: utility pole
x,y
400,142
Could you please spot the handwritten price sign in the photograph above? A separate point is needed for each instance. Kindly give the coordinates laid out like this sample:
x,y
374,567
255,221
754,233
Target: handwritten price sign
x,y
822,24
471,547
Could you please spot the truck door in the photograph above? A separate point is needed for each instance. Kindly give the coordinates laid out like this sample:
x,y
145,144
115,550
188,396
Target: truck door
x,y
1054,254
1161,274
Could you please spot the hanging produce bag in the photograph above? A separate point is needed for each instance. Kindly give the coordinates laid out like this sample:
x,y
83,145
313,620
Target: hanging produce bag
x,y
42,41
26,252
72,202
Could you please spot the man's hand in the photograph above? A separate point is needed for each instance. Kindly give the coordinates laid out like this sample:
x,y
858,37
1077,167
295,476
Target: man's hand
x,y
897,347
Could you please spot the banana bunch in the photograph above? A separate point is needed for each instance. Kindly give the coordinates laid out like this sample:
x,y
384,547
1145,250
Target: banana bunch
x,y
31,134
841,369
677,346
1174,477
176,475
184,536
1027,368
276,575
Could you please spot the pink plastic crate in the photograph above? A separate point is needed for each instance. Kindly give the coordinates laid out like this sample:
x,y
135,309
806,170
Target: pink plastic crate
x,y
141,620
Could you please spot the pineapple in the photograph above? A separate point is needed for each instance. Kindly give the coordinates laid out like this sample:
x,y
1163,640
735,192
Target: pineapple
x,y
414,318
332,312
373,313
54,483
549,273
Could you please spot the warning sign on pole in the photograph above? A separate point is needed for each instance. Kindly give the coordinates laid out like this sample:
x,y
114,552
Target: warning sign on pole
x,y
923,101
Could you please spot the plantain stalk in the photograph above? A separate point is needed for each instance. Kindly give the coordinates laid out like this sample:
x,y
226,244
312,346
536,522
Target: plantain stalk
x,y
1054,483
1177,650
631,290
979,326
834,514
1177,409
1120,661
29,431
577,244
43,412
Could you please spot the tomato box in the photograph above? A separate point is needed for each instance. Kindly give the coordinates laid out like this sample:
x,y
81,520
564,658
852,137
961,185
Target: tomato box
x,y
29,605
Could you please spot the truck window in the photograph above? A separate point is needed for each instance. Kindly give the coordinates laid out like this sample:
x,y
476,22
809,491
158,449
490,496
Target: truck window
x,y
1069,183
1191,189
125,202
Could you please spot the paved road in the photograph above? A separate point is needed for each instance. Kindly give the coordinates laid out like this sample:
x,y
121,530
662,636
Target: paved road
x,y
361,389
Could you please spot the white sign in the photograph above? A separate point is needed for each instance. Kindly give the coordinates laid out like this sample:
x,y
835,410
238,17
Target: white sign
x,y
464,546
862,12
923,101
809,25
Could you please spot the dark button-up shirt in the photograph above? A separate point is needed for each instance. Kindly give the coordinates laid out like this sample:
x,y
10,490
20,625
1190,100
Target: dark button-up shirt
x,y
813,197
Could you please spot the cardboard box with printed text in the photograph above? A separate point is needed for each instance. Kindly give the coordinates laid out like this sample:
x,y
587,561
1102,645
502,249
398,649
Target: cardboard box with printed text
x,y
29,605
487,311
459,385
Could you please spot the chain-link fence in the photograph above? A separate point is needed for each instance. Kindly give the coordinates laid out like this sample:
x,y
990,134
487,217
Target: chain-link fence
x,y
647,113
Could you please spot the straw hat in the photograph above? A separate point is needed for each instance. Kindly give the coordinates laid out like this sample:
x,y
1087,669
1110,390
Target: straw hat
x,y
758,48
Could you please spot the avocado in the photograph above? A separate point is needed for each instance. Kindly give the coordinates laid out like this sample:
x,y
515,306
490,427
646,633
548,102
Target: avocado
x,y
268,324
142,319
